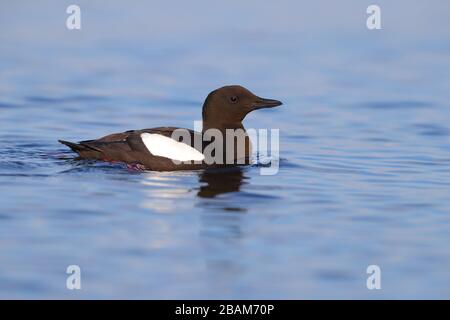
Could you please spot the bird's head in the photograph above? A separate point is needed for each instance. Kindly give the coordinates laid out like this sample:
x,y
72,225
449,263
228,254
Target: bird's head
x,y
227,106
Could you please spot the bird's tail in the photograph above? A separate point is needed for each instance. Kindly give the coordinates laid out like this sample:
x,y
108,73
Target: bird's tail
x,y
74,146
84,150
77,147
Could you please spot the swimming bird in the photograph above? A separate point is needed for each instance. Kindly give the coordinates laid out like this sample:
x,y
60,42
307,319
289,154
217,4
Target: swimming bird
x,y
170,148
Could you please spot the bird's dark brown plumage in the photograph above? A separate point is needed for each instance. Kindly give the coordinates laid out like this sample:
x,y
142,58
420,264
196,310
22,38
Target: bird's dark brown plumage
x,y
224,108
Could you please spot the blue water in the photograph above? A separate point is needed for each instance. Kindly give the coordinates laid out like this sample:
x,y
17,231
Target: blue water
x,y
365,150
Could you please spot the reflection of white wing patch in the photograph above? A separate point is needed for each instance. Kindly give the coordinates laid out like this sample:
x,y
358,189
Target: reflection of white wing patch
x,y
163,146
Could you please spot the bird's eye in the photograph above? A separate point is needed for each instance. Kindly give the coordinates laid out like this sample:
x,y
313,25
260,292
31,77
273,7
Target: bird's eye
x,y
234,99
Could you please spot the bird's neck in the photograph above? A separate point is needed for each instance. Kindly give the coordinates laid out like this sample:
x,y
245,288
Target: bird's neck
x,y
233,135
222,127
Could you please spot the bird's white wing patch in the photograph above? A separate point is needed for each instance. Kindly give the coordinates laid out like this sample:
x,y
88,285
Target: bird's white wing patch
x,y
163,146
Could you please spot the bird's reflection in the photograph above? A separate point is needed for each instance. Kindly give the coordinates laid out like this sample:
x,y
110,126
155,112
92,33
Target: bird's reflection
x,y
220,181
221,221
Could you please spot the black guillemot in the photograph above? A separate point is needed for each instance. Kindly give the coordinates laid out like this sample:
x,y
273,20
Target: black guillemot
x,y
161,149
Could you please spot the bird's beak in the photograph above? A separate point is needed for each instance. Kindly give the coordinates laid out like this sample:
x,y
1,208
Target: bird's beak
x,y
261,103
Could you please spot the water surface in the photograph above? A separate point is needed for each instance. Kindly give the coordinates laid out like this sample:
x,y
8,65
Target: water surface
x,y
365,151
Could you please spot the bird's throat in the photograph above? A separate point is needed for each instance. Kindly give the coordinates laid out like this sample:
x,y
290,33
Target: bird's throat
x,y
236,142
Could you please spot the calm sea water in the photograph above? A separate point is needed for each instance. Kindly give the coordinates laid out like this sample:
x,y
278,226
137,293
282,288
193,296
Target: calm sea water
x,y
365,151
